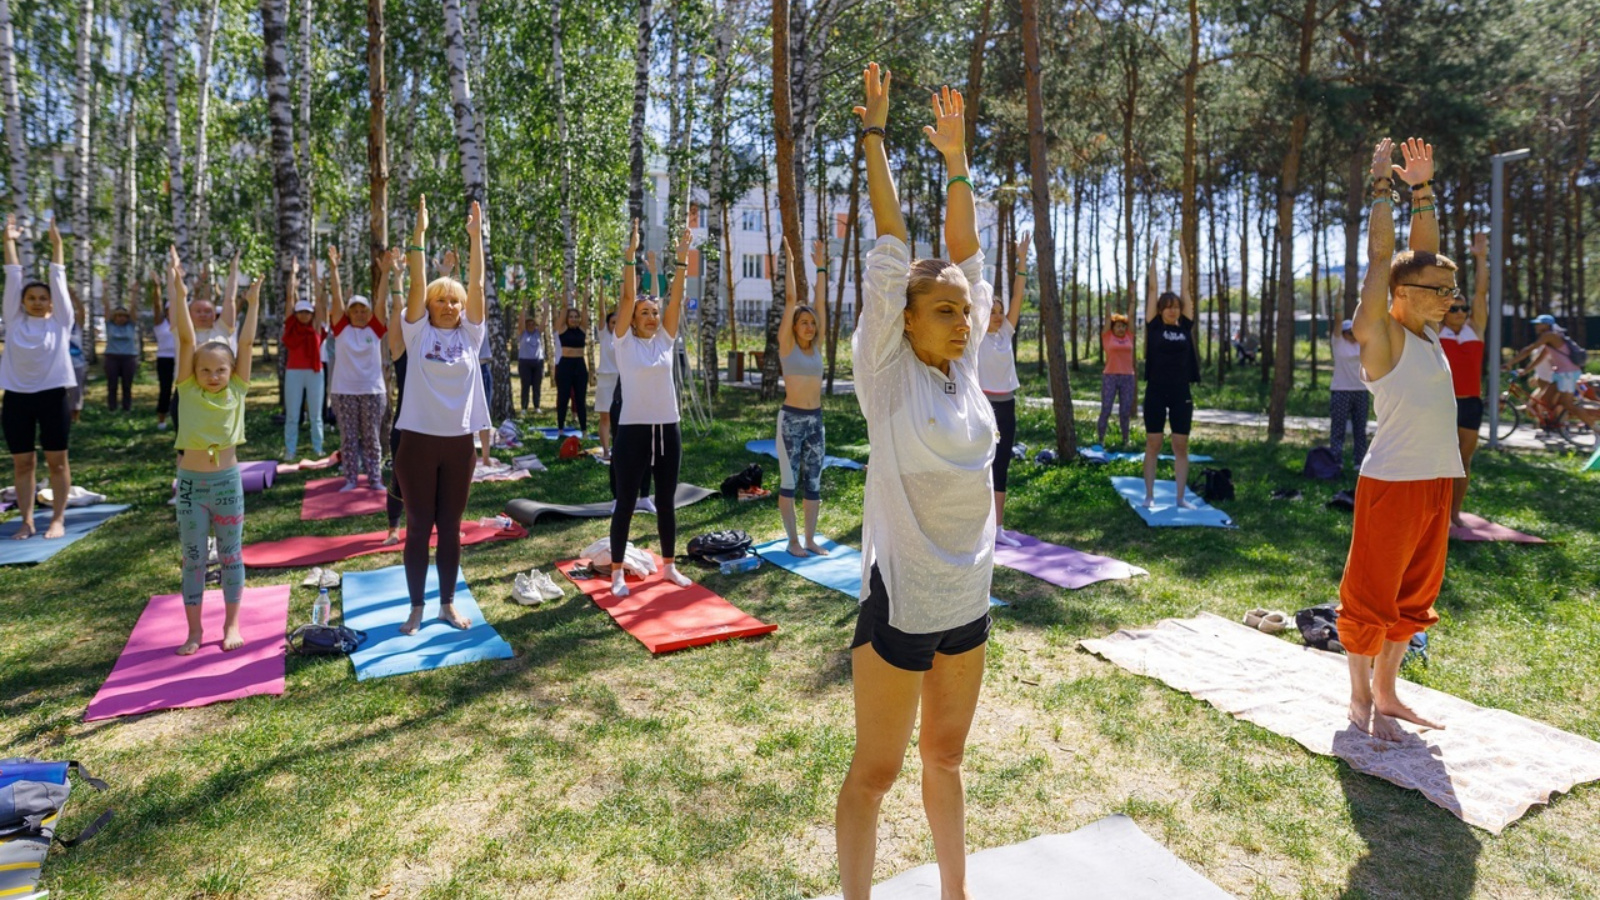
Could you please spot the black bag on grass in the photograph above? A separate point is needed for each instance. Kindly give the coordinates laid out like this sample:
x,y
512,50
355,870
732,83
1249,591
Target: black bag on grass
x,y
1322,465
1215,485
742,481
32,794
326,640
717,547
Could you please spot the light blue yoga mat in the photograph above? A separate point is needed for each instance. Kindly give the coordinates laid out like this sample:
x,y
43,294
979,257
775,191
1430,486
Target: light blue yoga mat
x,y
1167,513
840,569
79,522
549,432
1593,463
376,602
770,448
1099,454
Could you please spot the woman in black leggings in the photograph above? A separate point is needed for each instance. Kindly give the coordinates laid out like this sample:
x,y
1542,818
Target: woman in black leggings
x,y
647,435
572,373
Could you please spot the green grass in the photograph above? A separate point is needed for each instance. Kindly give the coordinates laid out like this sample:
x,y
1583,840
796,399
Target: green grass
x,y
586,768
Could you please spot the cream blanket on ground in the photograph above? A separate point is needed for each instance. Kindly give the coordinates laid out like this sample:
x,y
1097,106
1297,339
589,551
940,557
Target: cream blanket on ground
x,y
1488,766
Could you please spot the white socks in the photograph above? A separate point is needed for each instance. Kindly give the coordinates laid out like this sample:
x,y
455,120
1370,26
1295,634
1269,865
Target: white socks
x,y
619,586
671,573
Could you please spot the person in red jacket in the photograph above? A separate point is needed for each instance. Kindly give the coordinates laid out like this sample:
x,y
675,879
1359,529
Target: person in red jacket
x,y
302,377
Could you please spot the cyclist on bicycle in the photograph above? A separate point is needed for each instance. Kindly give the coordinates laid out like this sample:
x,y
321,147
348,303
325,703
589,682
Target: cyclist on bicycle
x,y
1461,339
1552,339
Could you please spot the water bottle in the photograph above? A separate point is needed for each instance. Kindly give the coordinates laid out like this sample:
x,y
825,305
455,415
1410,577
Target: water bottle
x,y
741,565
322,609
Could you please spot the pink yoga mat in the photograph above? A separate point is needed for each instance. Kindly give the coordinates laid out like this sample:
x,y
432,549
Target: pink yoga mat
x,y
312,551
1060,565
324,500
149,676
1481,529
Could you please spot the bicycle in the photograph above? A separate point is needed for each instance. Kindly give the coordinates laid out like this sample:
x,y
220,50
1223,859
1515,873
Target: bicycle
x,y
1519,402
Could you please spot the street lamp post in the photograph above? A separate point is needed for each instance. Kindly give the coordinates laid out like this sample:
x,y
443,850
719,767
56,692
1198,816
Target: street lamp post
x,y
1497,219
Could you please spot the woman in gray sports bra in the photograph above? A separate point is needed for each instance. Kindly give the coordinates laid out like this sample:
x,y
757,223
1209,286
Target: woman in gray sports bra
x,y
800,433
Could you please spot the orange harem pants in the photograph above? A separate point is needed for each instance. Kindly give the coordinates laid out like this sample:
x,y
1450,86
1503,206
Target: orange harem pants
x,y
1396,562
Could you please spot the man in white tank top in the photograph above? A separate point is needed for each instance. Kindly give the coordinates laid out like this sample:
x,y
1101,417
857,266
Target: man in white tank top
x,y
1402,519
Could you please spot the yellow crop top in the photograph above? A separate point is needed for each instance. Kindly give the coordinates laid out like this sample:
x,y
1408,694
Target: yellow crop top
x,y
208,421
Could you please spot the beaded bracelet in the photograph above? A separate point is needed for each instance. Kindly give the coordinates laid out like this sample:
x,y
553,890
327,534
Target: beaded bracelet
x,y
1418,210
874,129
961,178
1388,200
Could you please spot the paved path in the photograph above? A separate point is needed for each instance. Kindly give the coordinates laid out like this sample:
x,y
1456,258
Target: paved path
x,y
1522,439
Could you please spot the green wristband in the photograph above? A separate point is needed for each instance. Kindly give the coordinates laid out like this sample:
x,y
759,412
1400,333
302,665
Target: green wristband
x,y
963,179
628,262
1421,209
822,270
413,248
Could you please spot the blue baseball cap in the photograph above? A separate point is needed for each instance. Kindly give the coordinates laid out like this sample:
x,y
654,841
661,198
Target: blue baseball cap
x,y
1544,320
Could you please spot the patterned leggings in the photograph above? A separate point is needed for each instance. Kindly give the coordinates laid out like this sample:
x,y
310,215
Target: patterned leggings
x,y
211,501
1121,388
1349,408
360,424
801,439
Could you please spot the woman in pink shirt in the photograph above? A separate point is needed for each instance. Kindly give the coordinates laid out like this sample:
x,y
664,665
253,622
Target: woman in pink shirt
x,y
1117,380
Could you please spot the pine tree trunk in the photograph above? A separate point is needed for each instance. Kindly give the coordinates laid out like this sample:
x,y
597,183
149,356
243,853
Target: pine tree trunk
x,y
377,144
1354,215
974,93
1189,228
82,272
176,190
15,140
472,176
1130,104
558,77
850,226
1244,257
1077,216
1283,361
202,163
291,222
788,191
641,95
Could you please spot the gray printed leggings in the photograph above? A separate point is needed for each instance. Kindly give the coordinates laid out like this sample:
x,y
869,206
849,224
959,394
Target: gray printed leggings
x,y
211,501
1120,387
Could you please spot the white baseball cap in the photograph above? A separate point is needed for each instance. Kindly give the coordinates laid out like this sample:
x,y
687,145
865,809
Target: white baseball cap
x,y
304,306
1347,325
359,300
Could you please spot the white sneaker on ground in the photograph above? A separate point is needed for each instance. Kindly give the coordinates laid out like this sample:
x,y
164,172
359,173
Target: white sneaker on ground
x,y
546,585
313,578
524,591
161,426
329,579
645,504
1000,537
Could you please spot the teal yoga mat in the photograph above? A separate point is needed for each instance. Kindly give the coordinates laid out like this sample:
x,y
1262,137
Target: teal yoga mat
x,y
1166,513
79,522
840,569
1099,454
770,448
376,602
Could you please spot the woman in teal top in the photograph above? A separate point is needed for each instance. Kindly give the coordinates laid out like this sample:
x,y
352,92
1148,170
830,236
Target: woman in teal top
x,y
121,358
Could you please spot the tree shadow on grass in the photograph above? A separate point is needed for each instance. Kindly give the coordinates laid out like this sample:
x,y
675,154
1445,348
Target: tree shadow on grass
x,y
1414,848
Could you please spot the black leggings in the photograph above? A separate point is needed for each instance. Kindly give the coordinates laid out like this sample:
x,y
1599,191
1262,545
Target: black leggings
x,y
436,473
616,416
119,378
572,383
638,449
165,367
1005,420
396,505
531,373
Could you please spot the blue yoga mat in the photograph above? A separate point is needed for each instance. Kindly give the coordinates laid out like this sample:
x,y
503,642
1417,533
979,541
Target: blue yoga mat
x,y
1593,463
1166,513
1099,454
770,448
80,521
376,602
840,569
549,432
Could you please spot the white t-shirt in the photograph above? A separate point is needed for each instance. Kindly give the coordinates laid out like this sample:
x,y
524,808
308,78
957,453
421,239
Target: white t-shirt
x,y
608,352
928,519
38,356
649,396
1346,365
166,341
444,389
997,365
217,332
360,354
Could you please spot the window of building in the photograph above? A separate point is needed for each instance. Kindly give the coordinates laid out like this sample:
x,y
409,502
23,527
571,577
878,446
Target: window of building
x,y
753,267
750,220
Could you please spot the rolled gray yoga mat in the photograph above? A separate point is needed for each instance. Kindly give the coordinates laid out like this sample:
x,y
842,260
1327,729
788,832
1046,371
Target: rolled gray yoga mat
x,y
527,512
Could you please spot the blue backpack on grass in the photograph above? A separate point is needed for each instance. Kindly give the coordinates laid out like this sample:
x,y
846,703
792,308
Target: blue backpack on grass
x,y
32,793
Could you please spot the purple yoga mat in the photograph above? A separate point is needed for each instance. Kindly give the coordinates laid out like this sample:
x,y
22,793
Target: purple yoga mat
x,y
258,475
1481,529
149,676
1060,565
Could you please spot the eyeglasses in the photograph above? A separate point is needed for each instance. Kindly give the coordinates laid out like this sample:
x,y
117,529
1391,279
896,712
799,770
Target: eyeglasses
x,y
1458,308
1449,290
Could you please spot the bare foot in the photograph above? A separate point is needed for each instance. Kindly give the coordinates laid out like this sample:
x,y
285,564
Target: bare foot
x,y
413,621
1183,503
1396,709
1149,502
58,529
392,538
1361,714
25,531
796,550
190,645
815,548
232,639
448,615
1385,728
1455,522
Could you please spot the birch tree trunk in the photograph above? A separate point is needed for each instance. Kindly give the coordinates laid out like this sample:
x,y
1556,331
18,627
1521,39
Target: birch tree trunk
x,y
1044,239
291,221
82,245
202,174
123,212
473,35
306,169
15,140
472,176
712,300
641,95
569,246
377,143
177,192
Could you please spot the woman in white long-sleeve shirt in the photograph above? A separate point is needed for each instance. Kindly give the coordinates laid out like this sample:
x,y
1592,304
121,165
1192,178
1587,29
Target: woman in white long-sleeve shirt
x,y
928,520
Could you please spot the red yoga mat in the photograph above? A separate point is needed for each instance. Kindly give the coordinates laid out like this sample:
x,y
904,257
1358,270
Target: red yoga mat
x,y
665,617
149,676
324,500
305,550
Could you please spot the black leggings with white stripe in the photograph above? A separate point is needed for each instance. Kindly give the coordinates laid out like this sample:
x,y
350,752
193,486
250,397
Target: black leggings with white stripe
x,y
635,450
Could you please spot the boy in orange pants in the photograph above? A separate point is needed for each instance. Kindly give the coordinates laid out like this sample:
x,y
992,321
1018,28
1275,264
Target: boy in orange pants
x,y
1402,523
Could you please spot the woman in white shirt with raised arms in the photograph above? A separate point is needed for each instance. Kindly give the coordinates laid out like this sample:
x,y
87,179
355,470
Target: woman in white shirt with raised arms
x,y
997,375
928,520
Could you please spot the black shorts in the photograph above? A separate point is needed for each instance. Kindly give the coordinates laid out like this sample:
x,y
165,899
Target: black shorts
x,y
912,652
45,413
1164,401
1469,413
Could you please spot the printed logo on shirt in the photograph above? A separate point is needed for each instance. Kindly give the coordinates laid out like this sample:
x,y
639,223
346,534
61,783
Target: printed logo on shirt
x,y
448,352
1175,335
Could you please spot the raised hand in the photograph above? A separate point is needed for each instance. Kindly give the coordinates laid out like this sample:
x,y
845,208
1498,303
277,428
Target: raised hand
x,y
254,292
394,260
333,256
1480,244
875,114
680,253
788,258
1381,155
175,275
650,265
1419,162
13,230
447,266
949,132
819,254
1023,243
474,220
633,243
422,215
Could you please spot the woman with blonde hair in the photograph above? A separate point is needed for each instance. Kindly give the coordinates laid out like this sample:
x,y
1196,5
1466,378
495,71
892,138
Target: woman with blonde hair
x,y
801,437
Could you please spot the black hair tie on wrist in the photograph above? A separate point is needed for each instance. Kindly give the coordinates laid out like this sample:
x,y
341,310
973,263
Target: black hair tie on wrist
x,y
874,129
